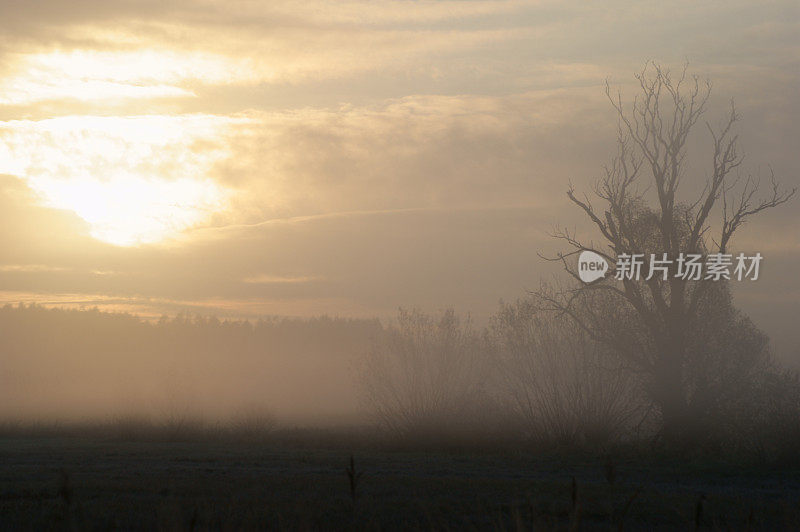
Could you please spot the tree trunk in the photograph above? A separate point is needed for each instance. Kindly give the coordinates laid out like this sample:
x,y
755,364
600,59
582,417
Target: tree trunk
x,y
669,394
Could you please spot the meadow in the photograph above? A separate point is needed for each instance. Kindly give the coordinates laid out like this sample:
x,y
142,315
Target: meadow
x,y
110,422
192,478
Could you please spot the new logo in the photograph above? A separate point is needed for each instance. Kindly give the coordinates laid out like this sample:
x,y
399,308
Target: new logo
x,y
591,266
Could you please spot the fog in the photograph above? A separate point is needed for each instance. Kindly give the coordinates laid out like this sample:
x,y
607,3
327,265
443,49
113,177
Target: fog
x,y
78,366
393,264
525,375
217,164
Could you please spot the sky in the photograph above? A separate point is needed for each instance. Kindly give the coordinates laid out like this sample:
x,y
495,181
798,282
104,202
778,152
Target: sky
x,y
242,158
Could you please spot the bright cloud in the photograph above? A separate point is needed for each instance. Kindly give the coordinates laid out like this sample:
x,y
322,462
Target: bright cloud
x,y
89,75
133,179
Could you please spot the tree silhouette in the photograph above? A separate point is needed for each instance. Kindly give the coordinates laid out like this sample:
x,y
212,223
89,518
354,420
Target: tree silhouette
x,y
653,322
424,376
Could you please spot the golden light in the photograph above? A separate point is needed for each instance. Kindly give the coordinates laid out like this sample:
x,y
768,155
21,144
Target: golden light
x,y
87,75
135,180
129,210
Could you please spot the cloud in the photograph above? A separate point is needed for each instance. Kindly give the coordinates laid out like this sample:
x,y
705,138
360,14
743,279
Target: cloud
x,y
347,157
414,152
278,279
132,179
29,268
367,261
103,76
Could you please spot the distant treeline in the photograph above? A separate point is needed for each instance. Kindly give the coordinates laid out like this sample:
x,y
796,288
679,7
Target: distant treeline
x,y
531,375
76,364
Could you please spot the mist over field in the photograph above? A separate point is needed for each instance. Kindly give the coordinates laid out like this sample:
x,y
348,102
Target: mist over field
x,y
441,264
78,366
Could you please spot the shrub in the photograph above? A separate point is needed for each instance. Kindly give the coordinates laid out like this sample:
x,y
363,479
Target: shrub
x,y
559,381
424,376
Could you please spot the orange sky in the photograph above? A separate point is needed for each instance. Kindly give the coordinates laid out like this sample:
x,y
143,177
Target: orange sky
x,y
243,158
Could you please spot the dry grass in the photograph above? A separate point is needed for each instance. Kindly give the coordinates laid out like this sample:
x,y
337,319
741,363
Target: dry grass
x,y
78,480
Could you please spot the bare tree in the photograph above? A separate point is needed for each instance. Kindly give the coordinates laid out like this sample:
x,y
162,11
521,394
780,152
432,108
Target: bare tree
x,y
657,314
424,376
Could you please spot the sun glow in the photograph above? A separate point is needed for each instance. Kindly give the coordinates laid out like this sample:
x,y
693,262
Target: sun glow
x,y
134,180
94,76
129,210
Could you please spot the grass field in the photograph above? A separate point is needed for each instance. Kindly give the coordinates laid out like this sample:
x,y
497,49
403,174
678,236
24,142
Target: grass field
x,y
300,480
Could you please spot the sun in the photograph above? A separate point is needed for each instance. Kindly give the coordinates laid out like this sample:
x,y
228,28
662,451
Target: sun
x,y
132,210
134,180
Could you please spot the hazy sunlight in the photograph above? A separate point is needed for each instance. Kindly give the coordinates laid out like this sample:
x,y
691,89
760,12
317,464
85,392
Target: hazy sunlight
x,y
133,179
